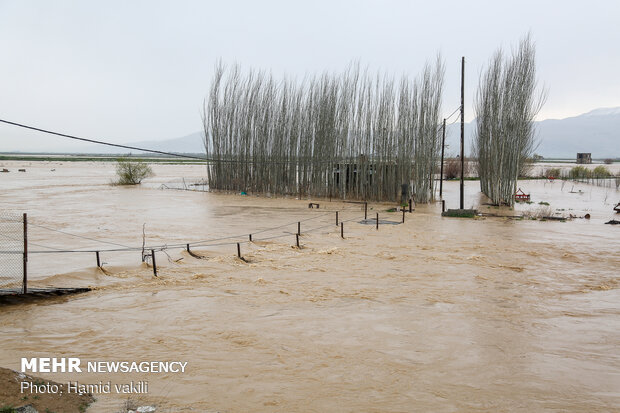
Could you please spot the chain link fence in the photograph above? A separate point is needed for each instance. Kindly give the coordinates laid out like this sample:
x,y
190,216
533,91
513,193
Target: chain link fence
x,y
11,249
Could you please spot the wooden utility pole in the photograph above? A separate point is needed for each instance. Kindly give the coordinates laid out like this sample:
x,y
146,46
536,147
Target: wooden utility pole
x,y
462,130
443,146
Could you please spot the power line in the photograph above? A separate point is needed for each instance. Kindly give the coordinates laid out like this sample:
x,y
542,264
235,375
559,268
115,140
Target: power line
x,y
100,142
116,145
79,236
455,111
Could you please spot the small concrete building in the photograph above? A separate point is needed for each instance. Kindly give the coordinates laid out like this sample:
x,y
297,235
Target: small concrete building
x,y
584,158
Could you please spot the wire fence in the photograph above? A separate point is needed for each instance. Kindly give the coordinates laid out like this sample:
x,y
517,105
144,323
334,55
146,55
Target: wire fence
x,y
14,248
602,181
11,249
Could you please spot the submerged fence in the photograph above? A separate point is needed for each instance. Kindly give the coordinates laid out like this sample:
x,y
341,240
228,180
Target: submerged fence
x,y
13,250
602,181
13,257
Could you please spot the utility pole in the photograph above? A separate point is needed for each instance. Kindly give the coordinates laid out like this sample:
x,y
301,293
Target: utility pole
x,y
443,146
25,263
462,129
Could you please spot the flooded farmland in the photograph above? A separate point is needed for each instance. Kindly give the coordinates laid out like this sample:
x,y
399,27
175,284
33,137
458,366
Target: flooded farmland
x,y
436,314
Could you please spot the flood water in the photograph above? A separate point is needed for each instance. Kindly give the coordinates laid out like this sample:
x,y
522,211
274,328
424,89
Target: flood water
x,y
436,314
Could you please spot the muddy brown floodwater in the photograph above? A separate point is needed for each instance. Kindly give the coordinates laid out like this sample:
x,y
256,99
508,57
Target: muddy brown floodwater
x,y
437,314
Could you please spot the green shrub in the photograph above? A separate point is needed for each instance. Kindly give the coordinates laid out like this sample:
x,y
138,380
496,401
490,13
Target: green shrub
x,y
132,172
579,172
601,172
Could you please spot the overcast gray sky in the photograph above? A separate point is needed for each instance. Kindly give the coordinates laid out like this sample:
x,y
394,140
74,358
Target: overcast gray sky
x,y
135,70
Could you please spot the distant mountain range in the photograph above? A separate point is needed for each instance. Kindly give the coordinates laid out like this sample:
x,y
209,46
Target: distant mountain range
x,y
597,132
192,143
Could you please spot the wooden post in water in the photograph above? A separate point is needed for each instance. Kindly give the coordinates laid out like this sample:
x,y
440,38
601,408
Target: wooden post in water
x,y
377,220
342,230
365,210
410,205
298,228
189,252
403,215
250,237
238,250
98,260
297,240
25,280
443,206
336,218
154,263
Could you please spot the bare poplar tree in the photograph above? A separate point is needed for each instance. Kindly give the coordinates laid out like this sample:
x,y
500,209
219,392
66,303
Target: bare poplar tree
x,y
506,103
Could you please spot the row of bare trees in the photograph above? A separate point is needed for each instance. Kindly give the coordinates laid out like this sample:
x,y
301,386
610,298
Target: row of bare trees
x,y
352,135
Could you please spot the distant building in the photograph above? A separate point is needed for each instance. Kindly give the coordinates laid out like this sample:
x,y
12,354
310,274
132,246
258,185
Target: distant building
x,y
584,158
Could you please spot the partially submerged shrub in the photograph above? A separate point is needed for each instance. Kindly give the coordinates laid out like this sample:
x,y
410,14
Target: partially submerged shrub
x,y
579,172
553,173
132,172
539,213
601,172
608,161
452,168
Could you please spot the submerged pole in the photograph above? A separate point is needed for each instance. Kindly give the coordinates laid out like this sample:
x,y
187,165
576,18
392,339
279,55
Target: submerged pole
x,y
377,220
336,217
154,264
98,260
342,230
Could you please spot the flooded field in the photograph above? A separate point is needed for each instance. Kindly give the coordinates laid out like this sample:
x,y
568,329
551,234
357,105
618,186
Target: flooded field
x,y
436,314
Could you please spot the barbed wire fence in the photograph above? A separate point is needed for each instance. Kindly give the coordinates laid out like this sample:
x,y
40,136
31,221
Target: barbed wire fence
x,y
13,250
